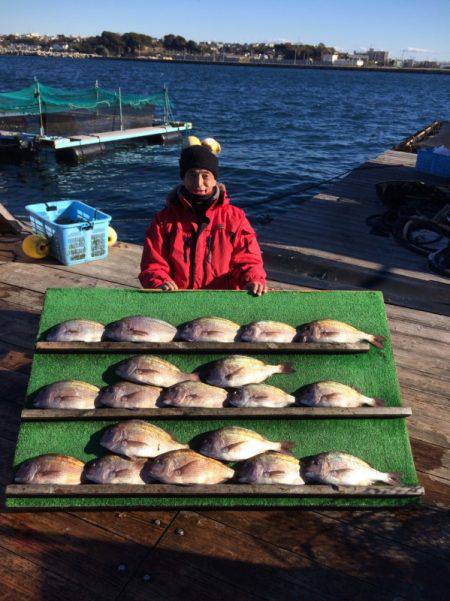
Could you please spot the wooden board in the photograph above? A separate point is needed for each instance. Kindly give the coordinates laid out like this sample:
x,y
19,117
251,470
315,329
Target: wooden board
x,y
212,490
199,412
189,347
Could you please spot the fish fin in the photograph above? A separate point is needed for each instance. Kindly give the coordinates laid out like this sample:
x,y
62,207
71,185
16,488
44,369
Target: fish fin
x,y
233,373
184,468
377,341
67,397
194,377
272,334
287,368
394,478
274,473
49,473
287,445
122,472
233,445
378,403
329,333
213,332
340,473
332,397
139,332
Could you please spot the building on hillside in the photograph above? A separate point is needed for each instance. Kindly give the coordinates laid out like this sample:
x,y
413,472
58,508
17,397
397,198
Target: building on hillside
x,y
330,58
380,57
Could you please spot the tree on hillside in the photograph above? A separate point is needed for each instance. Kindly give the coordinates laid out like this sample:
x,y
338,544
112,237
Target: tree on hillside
x,y
113,42
136,42
174,42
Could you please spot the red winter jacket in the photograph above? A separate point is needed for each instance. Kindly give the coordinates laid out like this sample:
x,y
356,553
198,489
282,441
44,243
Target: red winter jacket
x,y
220,254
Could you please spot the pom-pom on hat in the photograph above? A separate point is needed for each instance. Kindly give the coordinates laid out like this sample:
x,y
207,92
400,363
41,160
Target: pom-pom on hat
x,y
198,157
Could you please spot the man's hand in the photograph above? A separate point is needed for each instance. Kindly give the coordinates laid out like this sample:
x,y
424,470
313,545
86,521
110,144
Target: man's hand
x,y
169,285
256,288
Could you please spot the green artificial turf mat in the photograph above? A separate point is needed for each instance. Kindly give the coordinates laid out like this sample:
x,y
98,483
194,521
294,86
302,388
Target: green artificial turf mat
x,y
381,442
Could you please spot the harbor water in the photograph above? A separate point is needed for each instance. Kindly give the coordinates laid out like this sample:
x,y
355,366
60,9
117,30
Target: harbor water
x,y
280,130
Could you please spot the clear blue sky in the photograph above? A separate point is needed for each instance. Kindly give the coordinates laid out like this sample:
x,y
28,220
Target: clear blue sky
x,y
417,28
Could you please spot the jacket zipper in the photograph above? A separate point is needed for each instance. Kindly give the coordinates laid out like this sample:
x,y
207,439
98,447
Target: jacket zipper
x,y
193,253
209,248
187,240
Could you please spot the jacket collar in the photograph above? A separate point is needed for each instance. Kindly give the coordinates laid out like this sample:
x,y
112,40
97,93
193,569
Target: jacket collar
x,y
176,201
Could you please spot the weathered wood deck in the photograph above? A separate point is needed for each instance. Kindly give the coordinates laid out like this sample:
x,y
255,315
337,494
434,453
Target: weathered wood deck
x,y
325,241
244,555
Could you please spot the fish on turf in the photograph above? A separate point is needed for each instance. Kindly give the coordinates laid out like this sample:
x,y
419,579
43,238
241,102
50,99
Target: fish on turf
x,y
138,438
50,469
260,395
148,369
209,329
67,394
233,443
267,331
238,370
333,394
76,330
187,467
194,394
269,468
113,469
338,468
139,329
128,395
330,330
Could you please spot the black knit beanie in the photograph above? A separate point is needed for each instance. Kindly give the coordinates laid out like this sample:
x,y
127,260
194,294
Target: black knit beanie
x,y
198,157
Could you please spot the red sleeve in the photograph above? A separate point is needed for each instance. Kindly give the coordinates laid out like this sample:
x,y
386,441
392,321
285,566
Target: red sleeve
x,y
155,269
247,264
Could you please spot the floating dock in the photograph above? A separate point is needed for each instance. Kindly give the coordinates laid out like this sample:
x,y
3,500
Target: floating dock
x,y
76,124
86,145
250,555
152,132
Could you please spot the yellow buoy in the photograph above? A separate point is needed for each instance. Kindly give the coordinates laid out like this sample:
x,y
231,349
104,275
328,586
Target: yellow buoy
x,y
192,141
112,236
36,247
212,144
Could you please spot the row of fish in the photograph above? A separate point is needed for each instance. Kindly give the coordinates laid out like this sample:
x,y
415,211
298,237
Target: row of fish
x,y
187,467
208,329
71,394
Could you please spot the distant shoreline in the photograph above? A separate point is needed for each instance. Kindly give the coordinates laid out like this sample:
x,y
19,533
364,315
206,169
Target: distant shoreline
x,y
266,65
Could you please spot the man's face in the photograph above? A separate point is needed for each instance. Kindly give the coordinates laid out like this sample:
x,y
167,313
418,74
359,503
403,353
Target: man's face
x,y
199,181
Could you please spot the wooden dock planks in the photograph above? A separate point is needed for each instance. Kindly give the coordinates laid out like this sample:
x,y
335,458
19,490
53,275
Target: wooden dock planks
x,y
248,555
328,240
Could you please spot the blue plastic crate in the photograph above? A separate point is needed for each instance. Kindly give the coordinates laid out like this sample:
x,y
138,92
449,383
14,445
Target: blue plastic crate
x,y
424,159
77,232
440,165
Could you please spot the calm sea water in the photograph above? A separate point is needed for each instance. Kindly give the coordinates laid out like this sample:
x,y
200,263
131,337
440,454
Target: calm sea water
x,y
280,130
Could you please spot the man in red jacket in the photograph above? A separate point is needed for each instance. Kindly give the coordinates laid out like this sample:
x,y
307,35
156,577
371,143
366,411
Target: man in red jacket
x,y
200,240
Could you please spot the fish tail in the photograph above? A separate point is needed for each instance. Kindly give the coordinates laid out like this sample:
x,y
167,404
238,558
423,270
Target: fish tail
x,y
367,400
394,478
286,368
377,341
285,447
378,402
194,377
